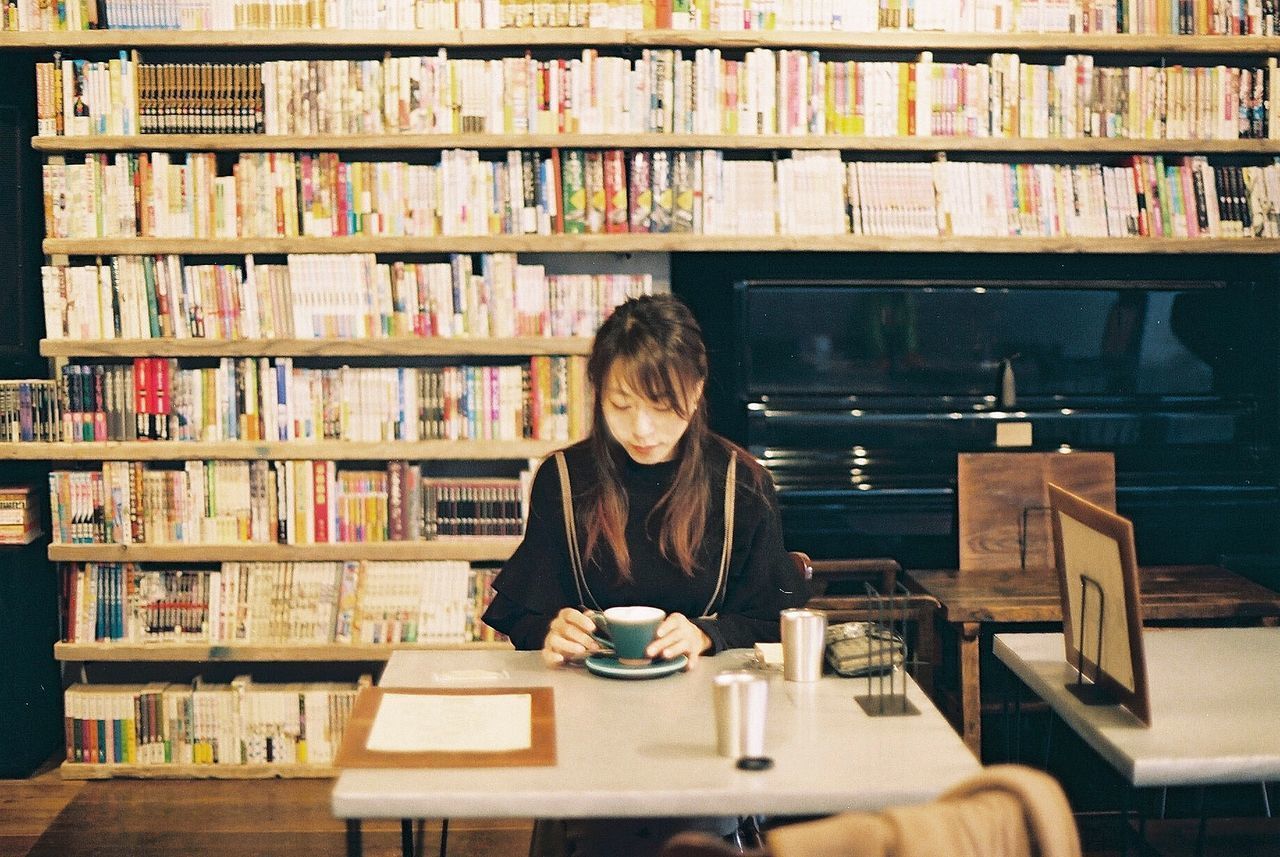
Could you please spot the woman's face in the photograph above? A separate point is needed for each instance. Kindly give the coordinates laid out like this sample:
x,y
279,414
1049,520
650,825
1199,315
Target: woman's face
x,y
649,431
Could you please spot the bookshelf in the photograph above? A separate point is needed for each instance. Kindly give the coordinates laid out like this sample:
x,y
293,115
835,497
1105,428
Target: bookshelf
x,y
765,142
517,37
472,548
667,243
401,346
207,653
295,450
82,771
1119,49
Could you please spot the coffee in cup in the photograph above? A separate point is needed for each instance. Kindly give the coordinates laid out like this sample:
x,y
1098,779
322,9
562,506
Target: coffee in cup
x,y
628,631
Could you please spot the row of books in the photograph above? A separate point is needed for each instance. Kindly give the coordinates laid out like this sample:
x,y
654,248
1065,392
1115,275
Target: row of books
x,y
285,502
77,97
203,723
662,91
429,601
349,296
684,191
29,411
1048,16
1181,198
256,399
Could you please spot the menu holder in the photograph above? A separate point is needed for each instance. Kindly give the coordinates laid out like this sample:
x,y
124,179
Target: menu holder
x,y
883,697
499,722
1101,607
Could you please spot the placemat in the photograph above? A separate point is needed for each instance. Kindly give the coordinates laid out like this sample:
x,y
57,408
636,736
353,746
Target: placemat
x,y
354,752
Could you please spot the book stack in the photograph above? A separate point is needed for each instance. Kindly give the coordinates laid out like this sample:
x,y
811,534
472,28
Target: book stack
x,y
19,515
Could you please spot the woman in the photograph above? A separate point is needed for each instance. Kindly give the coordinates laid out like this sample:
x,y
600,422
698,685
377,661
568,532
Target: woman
x,y
649,490
649,499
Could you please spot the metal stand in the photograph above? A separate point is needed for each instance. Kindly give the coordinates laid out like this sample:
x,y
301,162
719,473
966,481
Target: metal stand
x,y
879,702
1093,693
1022,533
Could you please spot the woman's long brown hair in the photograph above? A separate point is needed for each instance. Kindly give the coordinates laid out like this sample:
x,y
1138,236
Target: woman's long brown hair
x,y
658,346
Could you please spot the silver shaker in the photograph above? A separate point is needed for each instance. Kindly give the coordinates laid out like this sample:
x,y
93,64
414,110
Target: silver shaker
x,y
804,636
741,703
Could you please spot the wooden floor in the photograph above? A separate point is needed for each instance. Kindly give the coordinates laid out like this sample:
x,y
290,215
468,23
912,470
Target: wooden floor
x,y
47,817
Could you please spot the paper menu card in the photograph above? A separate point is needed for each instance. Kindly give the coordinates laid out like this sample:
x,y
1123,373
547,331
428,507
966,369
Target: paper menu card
x,y
418,723
449,727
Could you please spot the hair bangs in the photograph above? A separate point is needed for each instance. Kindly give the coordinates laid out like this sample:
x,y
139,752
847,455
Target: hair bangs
x,y
646,373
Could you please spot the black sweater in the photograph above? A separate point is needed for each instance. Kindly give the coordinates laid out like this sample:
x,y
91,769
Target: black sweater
x,y
538,580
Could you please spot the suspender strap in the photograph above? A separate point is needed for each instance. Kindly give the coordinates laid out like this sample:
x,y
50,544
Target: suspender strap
x,y
730,482
575,556
571,535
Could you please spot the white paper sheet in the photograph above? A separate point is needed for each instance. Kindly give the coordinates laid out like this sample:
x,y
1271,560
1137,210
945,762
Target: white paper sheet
x,y
416,723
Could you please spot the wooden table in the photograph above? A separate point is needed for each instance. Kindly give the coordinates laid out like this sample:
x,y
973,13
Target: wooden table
x,y
1170,594
648,748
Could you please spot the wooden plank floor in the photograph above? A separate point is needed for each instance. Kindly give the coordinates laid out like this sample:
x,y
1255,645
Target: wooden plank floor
x,y
46,816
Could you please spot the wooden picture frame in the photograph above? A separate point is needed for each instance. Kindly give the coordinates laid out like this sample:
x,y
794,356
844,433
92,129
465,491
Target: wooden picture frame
x,y
1097,565
354,752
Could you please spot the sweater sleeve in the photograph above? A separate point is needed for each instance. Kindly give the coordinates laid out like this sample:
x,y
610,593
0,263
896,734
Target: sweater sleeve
x,y
762,585
535,582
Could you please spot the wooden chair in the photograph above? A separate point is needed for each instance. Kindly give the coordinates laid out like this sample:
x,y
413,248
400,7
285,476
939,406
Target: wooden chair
x,y
1018,809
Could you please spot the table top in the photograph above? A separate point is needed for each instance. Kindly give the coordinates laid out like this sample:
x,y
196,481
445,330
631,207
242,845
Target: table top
x,y
1169,592
1215,704
648,748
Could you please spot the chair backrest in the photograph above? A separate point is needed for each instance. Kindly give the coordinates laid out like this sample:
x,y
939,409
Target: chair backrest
x,y
1010,809
845,576
1003,503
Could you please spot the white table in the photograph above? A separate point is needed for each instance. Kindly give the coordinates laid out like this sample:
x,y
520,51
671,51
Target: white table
x,y
647,748
1215,705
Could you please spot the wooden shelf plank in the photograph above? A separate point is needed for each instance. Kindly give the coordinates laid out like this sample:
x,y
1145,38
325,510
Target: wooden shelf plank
x,y
201,652
81,771
264,142
666,242
1054,43
400,346
471,548
295,450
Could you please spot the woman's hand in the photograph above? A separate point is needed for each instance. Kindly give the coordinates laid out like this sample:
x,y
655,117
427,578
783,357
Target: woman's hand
x,y
678,636
569,638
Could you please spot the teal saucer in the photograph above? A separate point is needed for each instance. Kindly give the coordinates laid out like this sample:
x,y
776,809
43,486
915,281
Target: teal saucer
x,y
608,666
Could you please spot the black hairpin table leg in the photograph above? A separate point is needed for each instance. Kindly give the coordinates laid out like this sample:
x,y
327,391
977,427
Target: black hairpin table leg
x,y
406,838
354,847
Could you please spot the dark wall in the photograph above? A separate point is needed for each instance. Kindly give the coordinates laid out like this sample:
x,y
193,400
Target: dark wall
x,y
21,223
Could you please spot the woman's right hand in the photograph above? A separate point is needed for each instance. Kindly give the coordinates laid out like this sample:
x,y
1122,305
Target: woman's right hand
x,y
568,638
